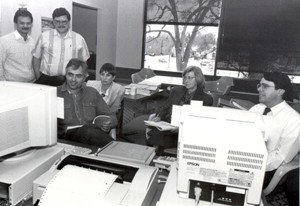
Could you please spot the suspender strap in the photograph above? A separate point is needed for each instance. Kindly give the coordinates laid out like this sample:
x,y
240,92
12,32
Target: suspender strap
x,y
73,35
51,40
61,68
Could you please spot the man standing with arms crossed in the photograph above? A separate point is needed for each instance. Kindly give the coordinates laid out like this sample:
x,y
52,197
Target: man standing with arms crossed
x,y
55,48
16,50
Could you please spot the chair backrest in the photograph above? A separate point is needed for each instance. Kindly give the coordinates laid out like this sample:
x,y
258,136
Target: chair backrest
x,y
280,173
221,86
295,106
141,75
226,81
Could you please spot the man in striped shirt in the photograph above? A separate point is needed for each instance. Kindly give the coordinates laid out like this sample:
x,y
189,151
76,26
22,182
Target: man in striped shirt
x,y
16,49
55,48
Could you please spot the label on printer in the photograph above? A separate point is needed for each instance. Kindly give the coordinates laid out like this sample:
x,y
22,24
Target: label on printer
x,y
209,174
240,178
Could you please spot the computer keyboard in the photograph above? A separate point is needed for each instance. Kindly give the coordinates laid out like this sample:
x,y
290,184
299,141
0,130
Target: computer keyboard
x,y
72,149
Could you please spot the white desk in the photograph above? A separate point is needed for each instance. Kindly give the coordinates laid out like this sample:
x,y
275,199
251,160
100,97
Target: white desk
x,y
159,80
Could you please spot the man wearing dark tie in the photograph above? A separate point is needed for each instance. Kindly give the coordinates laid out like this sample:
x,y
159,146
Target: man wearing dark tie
x,y
284,135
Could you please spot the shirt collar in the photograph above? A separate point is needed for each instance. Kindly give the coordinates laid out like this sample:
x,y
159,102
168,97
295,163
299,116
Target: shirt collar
x,y
18,35
67,35
277,108
108,89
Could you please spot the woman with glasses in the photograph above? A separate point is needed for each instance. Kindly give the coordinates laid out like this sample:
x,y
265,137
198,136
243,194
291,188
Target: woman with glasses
x,y
111,92
192,89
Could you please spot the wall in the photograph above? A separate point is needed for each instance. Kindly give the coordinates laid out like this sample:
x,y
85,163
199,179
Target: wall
x,y
130,33
107,21
79,25
0,15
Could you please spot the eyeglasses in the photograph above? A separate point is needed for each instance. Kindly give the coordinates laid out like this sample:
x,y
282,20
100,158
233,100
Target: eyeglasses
x,y
263,86
188,78
64,22
103,95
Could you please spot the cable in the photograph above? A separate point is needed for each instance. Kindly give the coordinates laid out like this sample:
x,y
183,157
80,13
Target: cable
x,y
197,191
212,197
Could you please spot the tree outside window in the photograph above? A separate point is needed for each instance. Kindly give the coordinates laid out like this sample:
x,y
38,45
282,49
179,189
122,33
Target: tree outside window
x,y
180,33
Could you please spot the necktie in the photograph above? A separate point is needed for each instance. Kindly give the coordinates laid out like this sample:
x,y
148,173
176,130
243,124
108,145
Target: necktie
x,y
266,111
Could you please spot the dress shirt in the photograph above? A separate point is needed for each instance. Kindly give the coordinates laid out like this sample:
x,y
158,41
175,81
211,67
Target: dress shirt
x,y
55,51
113,95
284,135
83,107
16,58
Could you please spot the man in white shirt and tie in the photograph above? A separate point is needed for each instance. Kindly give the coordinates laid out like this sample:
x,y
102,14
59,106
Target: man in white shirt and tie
x,y
284,135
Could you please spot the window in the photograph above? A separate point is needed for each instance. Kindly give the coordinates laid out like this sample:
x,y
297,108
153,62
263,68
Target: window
x,y
181,33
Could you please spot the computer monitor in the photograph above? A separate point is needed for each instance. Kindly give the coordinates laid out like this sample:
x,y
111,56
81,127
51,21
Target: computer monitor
x,y
28,116
222,151
28,129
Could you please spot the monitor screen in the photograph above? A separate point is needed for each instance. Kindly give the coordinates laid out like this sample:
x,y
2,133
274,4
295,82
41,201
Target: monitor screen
x,y
28,116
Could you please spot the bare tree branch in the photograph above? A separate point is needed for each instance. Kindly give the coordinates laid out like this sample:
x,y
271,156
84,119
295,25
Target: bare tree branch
x,y
198,11
159,33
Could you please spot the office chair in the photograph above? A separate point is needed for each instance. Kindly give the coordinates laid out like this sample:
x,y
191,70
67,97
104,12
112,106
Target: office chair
x,y
295,105
279,176
141,75
221,86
